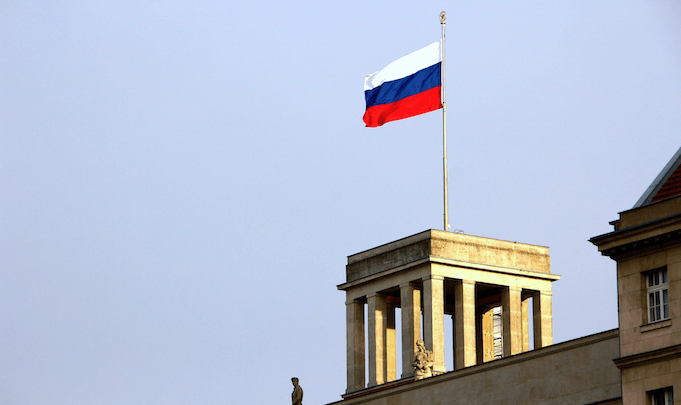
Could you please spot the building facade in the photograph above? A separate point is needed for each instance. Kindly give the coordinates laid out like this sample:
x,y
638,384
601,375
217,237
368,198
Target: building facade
x,y
646,244
496,297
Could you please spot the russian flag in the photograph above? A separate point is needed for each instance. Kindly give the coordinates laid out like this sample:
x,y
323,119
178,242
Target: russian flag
x,y
407,87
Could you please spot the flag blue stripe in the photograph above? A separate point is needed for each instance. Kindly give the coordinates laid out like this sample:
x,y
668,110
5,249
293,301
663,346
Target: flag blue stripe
x,y
395,90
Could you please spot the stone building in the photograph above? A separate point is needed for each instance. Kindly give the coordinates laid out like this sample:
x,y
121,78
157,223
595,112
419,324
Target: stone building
x,y
441,279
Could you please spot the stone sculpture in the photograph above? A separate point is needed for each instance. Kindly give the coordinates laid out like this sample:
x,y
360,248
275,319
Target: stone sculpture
x,y
297,395
423,361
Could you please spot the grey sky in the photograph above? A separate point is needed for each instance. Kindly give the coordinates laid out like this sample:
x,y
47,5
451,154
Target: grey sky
x,y
182,181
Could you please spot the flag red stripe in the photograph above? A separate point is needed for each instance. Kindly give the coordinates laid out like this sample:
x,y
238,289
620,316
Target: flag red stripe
x,y
420,103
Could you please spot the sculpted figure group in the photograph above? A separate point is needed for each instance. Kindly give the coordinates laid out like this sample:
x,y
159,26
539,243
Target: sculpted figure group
x,y
423,368
423,361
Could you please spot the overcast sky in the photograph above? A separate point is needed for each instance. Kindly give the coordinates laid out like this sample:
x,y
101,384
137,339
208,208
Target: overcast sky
x,y
183,180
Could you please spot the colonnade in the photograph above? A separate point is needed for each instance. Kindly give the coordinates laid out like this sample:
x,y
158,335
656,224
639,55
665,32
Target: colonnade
x,y
434,274
422,304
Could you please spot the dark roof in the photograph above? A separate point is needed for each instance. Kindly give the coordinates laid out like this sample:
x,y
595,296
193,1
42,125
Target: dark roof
x,y
667,184
671,187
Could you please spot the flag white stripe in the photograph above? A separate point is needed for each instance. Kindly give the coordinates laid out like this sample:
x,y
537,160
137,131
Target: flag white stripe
x,y
405,66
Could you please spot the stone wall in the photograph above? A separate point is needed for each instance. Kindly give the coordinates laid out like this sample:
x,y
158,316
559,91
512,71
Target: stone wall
x,y
637,335
652,375
579,371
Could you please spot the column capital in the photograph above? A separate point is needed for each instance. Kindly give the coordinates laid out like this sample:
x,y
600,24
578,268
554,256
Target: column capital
x,y
468,282
374,295
433,277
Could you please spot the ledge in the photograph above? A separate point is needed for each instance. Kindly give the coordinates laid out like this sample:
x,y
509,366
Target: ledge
x,y
656,325
648,357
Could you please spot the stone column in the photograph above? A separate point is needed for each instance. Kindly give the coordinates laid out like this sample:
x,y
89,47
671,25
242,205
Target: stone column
x,y
377,308
434,319
390,345
526,324
542,319
454,340
410,300
355,342
485,336
464,323
478,337
511,317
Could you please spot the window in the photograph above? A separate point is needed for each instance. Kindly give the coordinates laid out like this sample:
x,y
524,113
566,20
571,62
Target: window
x,y
658,295
498,339
662,397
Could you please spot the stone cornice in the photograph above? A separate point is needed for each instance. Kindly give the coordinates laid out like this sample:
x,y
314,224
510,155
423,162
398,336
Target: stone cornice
x,y
454,263
638,237
634,360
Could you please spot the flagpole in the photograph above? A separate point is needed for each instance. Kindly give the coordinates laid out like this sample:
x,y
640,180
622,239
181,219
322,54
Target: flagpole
x,y
443,16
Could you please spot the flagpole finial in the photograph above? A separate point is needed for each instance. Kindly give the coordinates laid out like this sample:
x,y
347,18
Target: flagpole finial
x,y
443,17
